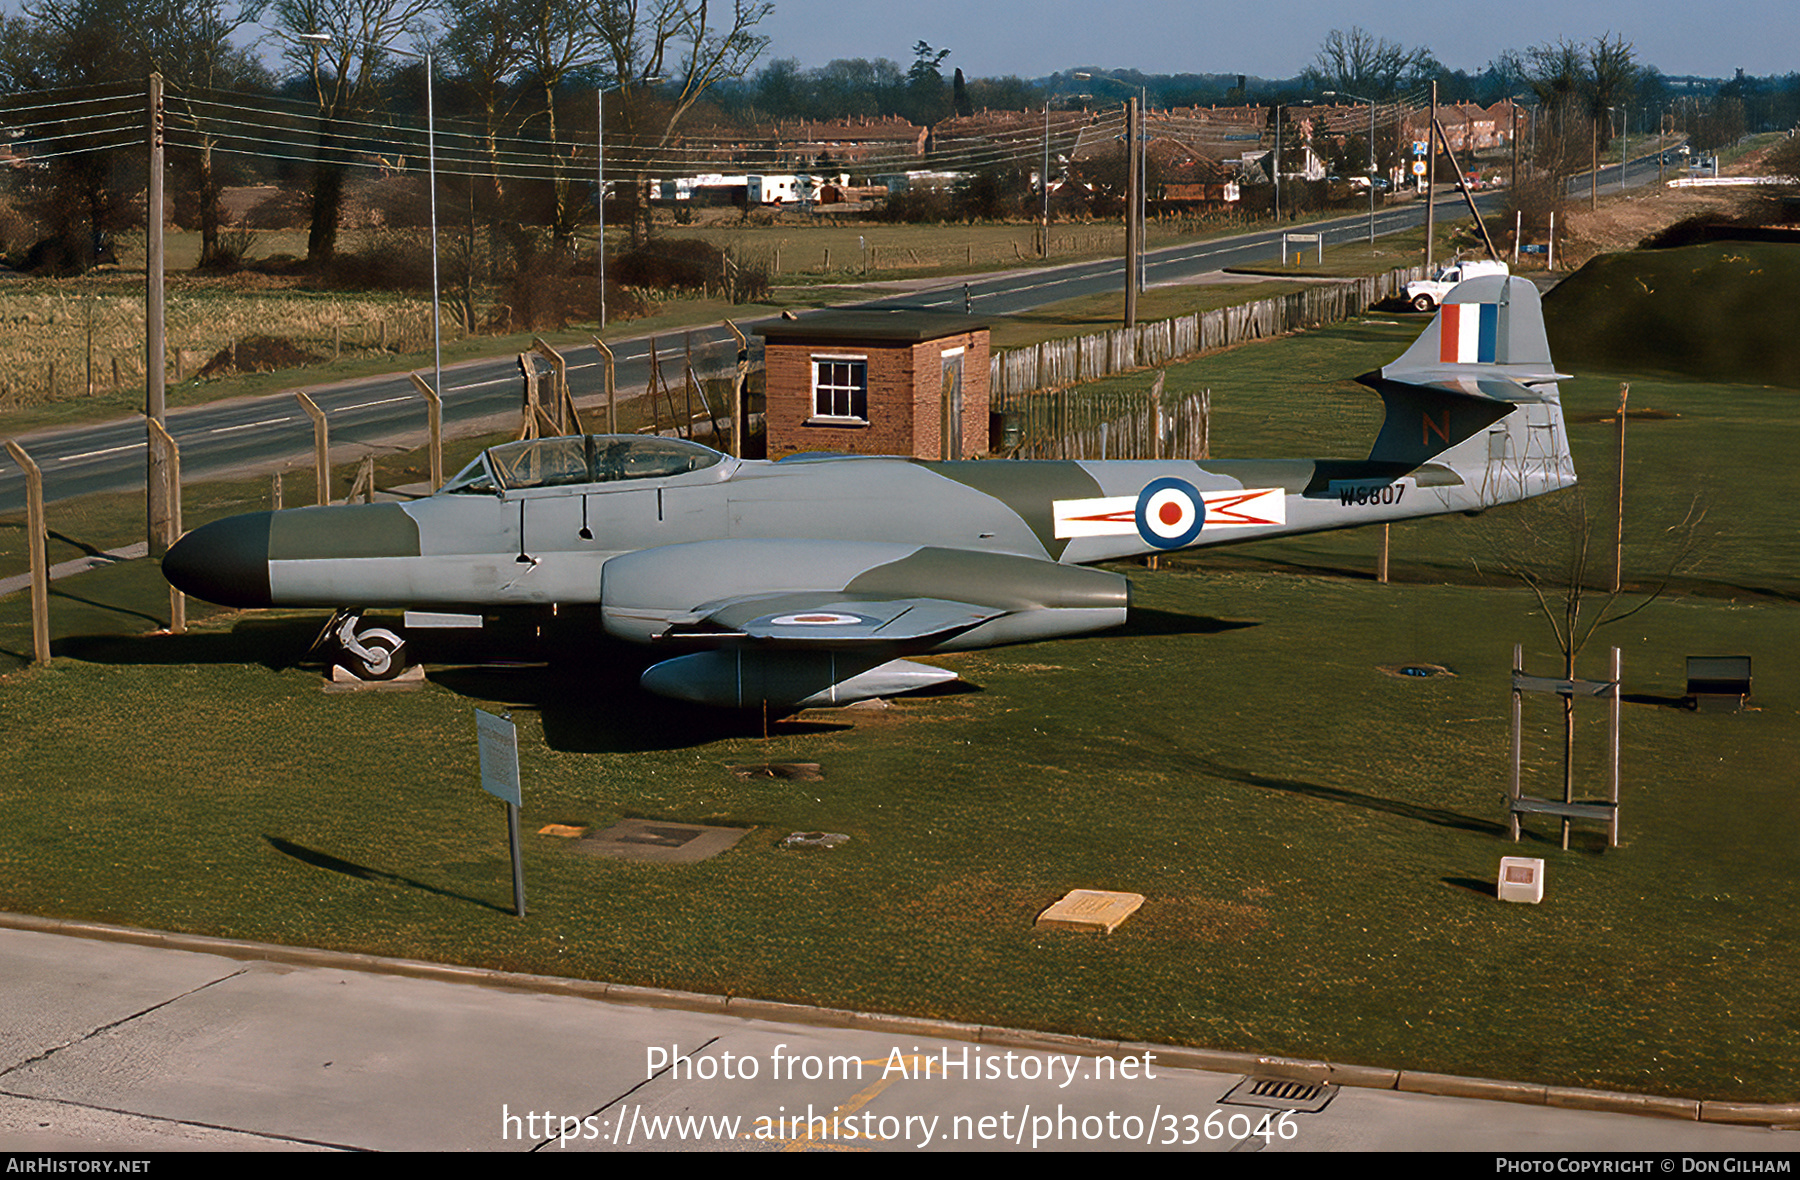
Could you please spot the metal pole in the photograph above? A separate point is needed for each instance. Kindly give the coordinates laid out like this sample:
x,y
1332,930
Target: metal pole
x,y
1512,786
1371,173
518,865
1619,524
1613,761
600,182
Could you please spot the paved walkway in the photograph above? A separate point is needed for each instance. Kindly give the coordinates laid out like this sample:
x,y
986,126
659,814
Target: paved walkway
x,y
77,565
109,1045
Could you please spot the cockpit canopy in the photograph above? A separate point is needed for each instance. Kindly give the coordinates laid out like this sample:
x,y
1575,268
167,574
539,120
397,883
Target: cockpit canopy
x,y
579,459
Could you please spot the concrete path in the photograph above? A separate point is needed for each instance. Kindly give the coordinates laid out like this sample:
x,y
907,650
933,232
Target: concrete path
x,y
108,1045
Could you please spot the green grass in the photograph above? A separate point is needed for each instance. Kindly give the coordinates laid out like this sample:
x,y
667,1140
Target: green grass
x,y
1712,311
1315,838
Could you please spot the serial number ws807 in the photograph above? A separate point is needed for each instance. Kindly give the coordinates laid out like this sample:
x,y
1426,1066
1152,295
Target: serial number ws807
x,y
1363,495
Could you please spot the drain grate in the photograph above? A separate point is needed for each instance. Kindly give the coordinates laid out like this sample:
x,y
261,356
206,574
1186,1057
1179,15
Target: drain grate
x,y
1281,1094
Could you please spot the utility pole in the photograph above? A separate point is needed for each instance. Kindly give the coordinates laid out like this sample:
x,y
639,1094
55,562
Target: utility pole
x,y
156,487
1134,243
1044,186
1275,172
1593,183
1430,175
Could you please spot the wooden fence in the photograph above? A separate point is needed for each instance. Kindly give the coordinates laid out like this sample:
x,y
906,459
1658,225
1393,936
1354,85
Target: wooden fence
x,y
1057,363
1114,424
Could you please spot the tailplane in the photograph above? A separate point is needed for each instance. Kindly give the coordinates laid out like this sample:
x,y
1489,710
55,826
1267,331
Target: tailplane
x,y
1477,392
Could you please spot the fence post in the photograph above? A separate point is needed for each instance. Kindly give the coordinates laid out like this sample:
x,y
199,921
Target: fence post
x,y
321,447
612,401
1156,416
740,417
434,420
565,405
528,428
162,440
34,542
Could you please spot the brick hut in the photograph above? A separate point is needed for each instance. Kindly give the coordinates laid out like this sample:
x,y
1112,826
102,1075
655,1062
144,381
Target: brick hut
x,y
877,383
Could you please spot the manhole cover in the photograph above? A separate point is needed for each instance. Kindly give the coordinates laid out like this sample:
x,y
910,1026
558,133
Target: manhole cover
x,y
1416,671
1281,1094
660,842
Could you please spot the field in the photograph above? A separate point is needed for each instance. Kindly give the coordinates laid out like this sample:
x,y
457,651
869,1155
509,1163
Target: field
x,y
73,349
1316,837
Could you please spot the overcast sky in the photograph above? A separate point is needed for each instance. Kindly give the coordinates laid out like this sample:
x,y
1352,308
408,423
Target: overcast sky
x,y
1031,38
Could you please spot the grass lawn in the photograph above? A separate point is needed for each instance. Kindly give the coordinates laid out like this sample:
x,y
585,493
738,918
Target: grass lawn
x,y
1316,838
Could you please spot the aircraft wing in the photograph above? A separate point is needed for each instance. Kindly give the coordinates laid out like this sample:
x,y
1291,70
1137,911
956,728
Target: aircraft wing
x,y
828,618
816,621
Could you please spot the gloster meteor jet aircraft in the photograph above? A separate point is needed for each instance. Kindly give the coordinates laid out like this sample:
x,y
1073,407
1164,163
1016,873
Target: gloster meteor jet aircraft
x,y
809,580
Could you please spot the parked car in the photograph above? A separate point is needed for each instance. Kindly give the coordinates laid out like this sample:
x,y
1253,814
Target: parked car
x,y
1426,294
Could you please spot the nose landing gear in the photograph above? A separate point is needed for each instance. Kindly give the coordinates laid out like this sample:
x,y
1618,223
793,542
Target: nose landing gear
x,y
374,653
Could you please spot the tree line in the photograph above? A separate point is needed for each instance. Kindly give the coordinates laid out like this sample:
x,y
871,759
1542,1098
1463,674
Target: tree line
x,y
518,88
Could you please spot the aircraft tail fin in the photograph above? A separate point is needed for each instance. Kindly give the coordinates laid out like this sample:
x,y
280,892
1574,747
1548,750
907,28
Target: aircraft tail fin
x,y
1477,392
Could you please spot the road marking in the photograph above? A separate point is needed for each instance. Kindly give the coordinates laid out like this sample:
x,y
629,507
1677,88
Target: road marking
x,y
365,405
97,454
249,425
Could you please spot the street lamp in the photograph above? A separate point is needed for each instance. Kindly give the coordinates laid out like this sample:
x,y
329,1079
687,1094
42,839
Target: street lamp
x,y
1044,177
1371,102
600,94
437,332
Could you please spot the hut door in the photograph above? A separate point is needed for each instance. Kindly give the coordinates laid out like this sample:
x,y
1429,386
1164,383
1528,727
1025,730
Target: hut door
x,y
952,402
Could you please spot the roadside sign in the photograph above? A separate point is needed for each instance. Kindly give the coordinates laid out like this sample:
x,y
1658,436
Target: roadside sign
x,y
498,741
1419,147
1418,167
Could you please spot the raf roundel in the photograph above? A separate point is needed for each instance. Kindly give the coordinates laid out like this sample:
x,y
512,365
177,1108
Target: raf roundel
x,y
1170,513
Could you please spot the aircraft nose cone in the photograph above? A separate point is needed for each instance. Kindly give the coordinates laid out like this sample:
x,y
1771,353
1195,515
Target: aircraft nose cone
x,y
226,562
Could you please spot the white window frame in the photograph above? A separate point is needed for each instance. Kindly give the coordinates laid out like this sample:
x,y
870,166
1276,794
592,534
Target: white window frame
x,y
850,390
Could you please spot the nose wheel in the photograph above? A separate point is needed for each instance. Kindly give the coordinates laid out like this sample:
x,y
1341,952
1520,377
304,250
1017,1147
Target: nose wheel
x,y
372,653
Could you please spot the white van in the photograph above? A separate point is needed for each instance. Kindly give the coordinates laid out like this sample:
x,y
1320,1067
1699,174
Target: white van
x,y
1426,294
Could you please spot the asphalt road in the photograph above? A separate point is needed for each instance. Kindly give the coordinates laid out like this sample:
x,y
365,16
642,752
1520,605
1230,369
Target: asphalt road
x,y
266,432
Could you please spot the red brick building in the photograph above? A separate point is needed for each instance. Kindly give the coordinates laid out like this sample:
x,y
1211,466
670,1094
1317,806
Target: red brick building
x,y
877,383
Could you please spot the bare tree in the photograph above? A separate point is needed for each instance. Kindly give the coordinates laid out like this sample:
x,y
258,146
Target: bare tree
x,y
189,42
686,41
344,69
1358,62
1550,544
1577,86
695,44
